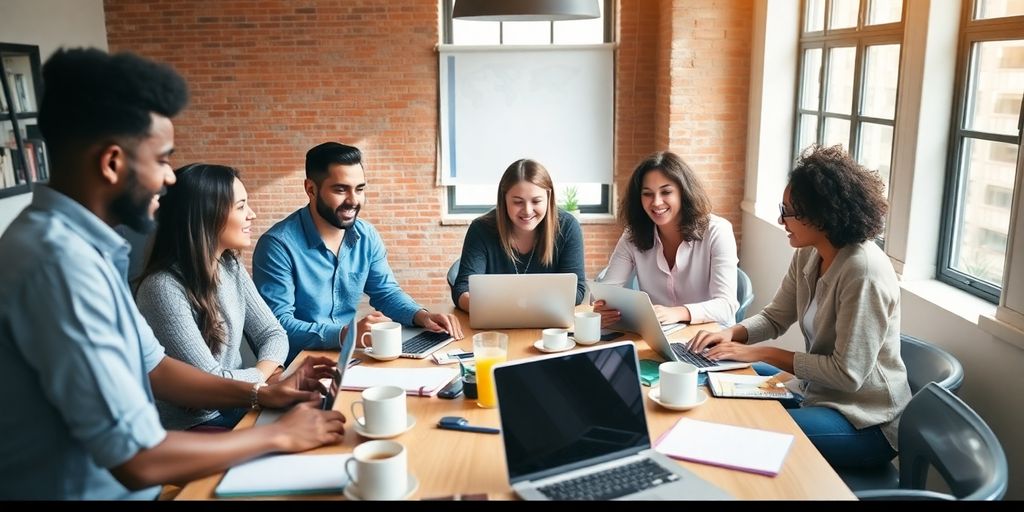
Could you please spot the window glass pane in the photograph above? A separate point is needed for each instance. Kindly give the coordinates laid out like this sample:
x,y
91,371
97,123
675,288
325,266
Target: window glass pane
x,y
997,76
580,31
881,71
884,11
998,8
814,15
808,131
469,195
982,226
810,83
486,195
844,14
475,32
837,131
839,88
875,150
526,32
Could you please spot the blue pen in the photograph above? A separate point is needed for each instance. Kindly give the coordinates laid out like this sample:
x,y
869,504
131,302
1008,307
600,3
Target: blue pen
x,y
458,423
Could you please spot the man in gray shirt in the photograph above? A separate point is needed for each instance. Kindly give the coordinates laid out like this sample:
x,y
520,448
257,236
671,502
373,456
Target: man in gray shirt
x,y
79,366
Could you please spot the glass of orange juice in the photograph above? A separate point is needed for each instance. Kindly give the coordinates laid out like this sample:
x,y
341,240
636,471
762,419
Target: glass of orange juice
x,y
489,349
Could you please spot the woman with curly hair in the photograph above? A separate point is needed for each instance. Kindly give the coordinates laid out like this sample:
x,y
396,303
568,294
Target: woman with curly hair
x,y
683,256
841,289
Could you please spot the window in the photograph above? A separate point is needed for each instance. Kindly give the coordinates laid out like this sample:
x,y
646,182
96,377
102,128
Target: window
x,y
984,147
474,188
849,70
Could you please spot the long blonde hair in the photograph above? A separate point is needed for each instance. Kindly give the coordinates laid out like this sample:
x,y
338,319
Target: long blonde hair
x,y
535,173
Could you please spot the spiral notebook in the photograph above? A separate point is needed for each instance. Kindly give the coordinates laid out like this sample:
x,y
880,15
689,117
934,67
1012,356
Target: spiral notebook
x,y
727,385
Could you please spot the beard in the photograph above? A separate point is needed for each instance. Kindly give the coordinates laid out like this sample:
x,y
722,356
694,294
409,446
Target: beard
x,y
132,207
333,217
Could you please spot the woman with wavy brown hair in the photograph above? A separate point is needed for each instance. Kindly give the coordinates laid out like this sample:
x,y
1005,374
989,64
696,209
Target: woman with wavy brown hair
x,y
843,293
683,256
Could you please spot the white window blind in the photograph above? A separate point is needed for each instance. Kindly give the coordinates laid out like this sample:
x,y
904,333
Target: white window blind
x,y
500,104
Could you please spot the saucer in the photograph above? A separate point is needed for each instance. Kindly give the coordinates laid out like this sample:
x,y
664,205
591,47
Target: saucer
x,y
352,490
539,345
585,343
411,421
655,394
369,352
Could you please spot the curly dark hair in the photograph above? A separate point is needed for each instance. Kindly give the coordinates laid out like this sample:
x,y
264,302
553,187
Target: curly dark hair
x,y
832,192
89,95
694,201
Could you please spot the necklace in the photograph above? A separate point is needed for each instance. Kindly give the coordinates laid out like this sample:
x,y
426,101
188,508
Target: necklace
x,y
516,265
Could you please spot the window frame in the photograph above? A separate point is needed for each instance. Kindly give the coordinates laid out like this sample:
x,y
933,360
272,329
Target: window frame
x,y
972,31
447,37
858,37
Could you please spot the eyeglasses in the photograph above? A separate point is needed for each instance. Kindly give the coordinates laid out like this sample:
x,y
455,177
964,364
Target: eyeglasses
x,y
782,212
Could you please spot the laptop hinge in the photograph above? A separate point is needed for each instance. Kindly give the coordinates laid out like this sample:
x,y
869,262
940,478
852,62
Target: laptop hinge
x,y
540,475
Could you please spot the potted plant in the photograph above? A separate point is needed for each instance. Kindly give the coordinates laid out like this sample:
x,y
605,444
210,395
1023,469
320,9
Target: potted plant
x,y
570,203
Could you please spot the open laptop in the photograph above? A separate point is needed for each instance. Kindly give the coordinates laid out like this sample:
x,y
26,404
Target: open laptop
x,y
638,316
514,301
418,343
348,346
574,427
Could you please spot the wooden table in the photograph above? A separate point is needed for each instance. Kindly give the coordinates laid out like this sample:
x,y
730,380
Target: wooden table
x,y
449,462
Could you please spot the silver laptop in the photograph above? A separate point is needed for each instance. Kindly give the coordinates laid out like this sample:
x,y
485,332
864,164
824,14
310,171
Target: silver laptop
x,y
638,316
574,427
515,301
418,343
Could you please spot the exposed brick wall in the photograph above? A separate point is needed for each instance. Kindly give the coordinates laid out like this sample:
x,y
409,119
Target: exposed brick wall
x,y
710,82
272,78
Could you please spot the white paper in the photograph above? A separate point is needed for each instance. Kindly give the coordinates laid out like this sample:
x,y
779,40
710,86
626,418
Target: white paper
x,y
412,380
286,474
745,449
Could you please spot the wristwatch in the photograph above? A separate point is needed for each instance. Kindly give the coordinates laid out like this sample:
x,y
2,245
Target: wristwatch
x,y
255,398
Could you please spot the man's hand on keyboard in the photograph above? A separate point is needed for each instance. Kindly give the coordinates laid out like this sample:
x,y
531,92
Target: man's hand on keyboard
x,y
438,322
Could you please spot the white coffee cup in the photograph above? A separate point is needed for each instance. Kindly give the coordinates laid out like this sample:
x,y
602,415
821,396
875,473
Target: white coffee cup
x,y
555,339
678,383
587,328
387,339
381,470
384,410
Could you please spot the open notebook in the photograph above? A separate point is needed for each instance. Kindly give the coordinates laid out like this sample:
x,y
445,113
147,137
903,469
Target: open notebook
x,y
415,381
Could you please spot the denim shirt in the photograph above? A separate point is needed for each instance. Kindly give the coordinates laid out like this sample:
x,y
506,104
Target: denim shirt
x,y
75,355
314,293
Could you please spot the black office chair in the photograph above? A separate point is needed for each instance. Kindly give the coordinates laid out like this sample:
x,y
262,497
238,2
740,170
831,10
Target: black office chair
x,y
925,363
453,272
938,430
744,293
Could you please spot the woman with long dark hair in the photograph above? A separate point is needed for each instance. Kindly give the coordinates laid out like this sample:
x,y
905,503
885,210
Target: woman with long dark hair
x,y
197,297
525,233
682,255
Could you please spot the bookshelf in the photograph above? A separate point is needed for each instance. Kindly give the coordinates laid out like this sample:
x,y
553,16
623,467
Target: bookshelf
x,y
23,157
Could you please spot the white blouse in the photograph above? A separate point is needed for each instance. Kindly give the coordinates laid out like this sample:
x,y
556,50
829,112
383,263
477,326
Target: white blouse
x,y
703,278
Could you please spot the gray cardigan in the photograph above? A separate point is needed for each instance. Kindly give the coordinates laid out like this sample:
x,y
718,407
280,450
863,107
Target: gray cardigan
x,y
162,301
853,364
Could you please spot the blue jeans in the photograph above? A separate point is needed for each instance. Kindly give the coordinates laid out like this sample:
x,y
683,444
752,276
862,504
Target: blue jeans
x,y
228,418
842,445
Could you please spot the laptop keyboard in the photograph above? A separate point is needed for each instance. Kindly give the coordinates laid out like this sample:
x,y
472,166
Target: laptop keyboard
x,y
611,483
695,359
424,342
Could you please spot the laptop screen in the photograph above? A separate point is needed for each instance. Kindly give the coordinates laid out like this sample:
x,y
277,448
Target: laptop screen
x,y
570,409
347,346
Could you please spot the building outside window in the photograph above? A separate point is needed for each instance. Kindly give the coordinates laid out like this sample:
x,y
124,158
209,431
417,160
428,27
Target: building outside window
x,y
848,78
984,146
